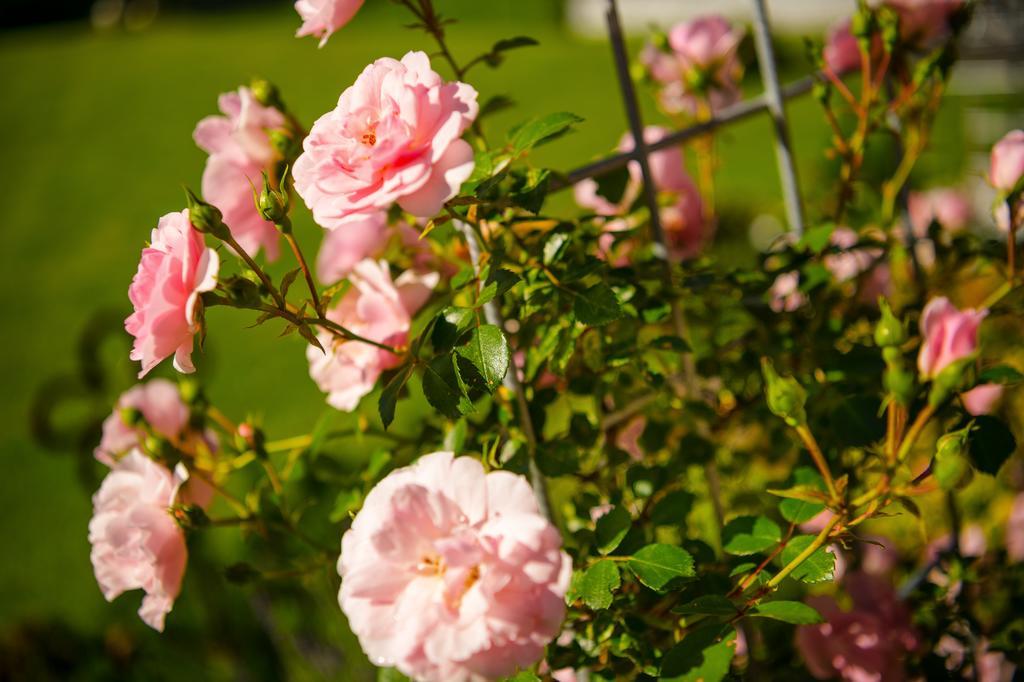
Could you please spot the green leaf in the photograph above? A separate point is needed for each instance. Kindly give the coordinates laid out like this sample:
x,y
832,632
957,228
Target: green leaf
x,y
672,509
794,612
287,279
612,185
450,323
1000,374
817,238
346,501
442,388
708,604
543,129
818,567
530,190
558,459
700,656
523,676
512,43
656,565
799,511
750,535
390,675
611,528
597,306
487,350
990,443
498,282
389,396
598,583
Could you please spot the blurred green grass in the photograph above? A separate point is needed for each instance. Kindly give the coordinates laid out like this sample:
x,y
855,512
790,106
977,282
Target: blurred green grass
x,y
97,143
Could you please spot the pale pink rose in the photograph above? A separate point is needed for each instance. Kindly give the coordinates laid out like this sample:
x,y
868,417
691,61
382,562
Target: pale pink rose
x,y
849,262
160,405
1006,166
321,18
174,270
1015,530
136,543
949,335
597,511
982,399
948,207
395,136
989,666
924,23
628,437
452,574
341,249
705,50
240,151
817,523
842,53
376,308
785,293
564,675
869,642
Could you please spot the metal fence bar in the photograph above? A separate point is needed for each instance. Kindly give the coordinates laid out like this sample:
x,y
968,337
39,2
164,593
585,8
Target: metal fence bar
x,y
636,126
730,114
773,97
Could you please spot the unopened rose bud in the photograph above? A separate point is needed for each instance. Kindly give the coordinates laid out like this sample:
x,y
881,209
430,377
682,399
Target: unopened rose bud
x,y
1006,167
283,143
266,93
862,25
889,22
273,205
206,218
952,468
822,92
157,447
889,331
190,390
786,397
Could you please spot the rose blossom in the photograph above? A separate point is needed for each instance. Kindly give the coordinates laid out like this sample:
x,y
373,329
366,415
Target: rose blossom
x,y
375,308
785,293
452,574
949,335
982,399
321,18
842,53
945,206
160,405
849,262
867,643
240,152
363,238
1006,167
136,543
705,50
394,137
174,269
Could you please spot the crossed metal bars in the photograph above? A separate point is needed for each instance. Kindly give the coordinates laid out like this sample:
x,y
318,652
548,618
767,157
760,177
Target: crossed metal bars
x,y
772,101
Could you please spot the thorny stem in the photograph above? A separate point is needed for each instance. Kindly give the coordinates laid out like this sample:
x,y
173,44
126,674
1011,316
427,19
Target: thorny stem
x,y
817,544
310,284
254,266
914,432
819,459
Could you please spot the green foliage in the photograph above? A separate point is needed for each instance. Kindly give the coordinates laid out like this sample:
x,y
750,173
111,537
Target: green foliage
x,y
819,566
750,535
598,583
794,612
657,565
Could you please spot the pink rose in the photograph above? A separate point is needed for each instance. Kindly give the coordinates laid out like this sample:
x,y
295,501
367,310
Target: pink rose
x,y
842,53
175,268
869,642
1006,167
240,152
597,511
363,238
136,543
321,18
949,335
785,293
376,308
1015,530
705,50
948,207
162,409
849,262
449,573
982,399
923,23
395,136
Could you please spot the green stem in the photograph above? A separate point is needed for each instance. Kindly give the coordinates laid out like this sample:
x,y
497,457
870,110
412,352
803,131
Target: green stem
x,y
803,556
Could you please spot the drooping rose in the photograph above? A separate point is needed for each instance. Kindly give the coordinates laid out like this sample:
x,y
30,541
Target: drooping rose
x,y
321,18
842,53
683,221
174,270
449,573
136,543
949,335
924,23
240,151
785,293
375,308
161,407
342,249
982,399
395,136
1006,165
869,642
946,206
